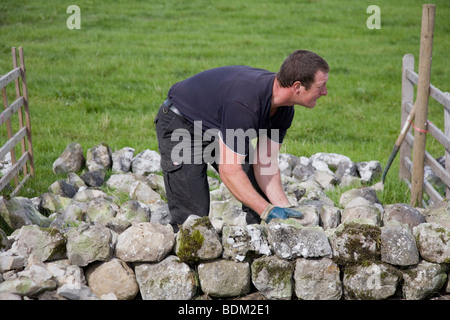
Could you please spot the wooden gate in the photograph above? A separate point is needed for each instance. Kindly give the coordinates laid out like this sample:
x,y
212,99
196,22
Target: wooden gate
x,y
409,79
19,170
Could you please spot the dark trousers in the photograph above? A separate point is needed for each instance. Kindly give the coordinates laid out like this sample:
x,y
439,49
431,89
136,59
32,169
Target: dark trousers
x,y
186,182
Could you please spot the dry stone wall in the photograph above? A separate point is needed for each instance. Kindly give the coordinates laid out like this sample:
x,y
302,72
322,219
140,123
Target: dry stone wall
x,y
103,233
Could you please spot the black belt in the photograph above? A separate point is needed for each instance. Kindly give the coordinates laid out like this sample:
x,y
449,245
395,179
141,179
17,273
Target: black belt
x,y
170,106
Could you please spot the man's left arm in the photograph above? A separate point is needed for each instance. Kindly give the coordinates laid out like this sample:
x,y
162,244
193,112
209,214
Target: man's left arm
x,y
267,171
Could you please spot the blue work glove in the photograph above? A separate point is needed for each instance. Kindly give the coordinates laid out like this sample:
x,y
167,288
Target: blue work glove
x,y
272,212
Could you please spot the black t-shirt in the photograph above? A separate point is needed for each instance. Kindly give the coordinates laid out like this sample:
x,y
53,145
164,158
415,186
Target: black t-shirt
x,y
235,101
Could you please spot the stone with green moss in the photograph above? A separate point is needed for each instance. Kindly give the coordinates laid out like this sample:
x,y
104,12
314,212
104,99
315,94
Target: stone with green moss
x,y
46,244
317,279
89,243
134,211
19,211
272,277
197,240
356,241
439,213
169,279
4,242
423,280
433,241
370,280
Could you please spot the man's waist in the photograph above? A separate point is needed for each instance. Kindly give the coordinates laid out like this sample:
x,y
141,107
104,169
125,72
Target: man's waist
x,y
170,106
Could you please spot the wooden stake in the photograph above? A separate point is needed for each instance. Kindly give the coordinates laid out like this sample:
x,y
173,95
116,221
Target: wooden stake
x,y
19,112
27,109
421,105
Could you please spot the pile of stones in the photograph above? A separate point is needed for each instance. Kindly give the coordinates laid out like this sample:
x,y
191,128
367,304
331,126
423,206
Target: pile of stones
x,y
103,233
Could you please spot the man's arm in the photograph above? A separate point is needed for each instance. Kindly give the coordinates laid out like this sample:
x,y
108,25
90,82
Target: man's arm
x,y
267,171
234,177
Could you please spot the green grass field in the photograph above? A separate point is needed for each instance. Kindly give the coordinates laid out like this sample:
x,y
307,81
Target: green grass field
x,y
105,81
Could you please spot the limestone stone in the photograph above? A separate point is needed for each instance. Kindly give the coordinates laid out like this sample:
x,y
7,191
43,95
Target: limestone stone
x,y
113,276
145,242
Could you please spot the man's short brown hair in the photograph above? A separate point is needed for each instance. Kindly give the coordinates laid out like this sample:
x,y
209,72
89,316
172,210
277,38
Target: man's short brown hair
x,y
301,65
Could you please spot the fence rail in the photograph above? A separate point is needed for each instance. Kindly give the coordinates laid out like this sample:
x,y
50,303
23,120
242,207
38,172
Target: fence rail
x,y
23,134
409,79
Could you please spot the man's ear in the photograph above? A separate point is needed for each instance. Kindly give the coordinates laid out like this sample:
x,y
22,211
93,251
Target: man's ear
x,y
297,87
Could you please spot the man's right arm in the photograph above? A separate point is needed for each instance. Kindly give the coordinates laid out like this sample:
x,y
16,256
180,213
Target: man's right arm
x,y
235,179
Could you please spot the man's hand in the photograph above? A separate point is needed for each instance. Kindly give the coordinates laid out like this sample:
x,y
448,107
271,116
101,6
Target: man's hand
x,y
272,212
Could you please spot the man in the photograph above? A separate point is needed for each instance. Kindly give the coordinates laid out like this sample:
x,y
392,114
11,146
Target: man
x,y
235,105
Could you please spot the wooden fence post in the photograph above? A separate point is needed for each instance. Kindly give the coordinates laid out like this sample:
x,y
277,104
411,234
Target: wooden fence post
x,y
19,112
27,109
447,153
423,91
407,98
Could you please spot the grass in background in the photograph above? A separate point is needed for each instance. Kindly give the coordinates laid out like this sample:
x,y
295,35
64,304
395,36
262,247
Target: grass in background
x,y
106,81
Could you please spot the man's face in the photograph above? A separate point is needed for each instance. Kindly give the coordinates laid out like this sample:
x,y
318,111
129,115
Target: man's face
x,y
308,97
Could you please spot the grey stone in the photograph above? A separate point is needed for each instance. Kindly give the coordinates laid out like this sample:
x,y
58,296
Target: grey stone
x,y
311,214
113,276
146,162
317,279
4,241
145,242
303,171
100,210
169,279
439,213
143,192
25,286
272,277
224,278
229,211
240,243
330,217
346,168
290,241
99,158
366,193
63,188
433,242
160,212
371,281
121,160
156,182
369,170
50,202
76,292
10,261
122,181
423,280
94,178
20,211
86,195
360,208
71,160
134,211
43,243
197,240
356,241
89,243
398,246
403,213
331,159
